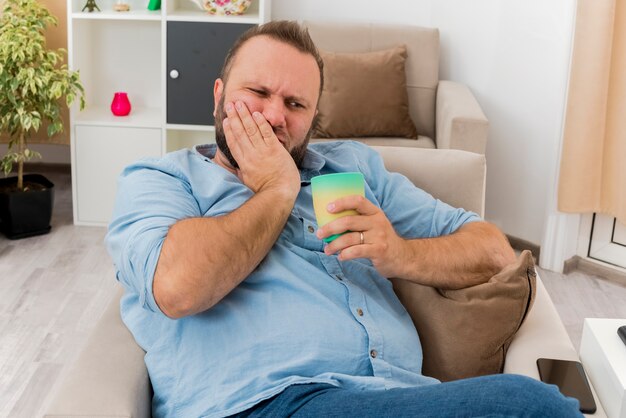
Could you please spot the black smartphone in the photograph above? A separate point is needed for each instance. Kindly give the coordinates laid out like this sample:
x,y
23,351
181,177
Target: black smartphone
x,y
621,331
571,380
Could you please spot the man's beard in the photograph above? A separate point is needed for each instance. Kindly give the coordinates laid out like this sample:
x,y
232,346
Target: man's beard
x,y
297,153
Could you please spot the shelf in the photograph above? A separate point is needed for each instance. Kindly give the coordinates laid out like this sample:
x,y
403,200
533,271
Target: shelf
x,y
150,15
177,16
179,139
200,128
138,118
202,16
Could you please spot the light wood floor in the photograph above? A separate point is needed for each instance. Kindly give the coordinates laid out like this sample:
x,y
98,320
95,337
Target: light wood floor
x,y
53,288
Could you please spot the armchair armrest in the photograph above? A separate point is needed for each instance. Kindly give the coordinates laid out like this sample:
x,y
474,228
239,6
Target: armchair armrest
x,y
110,378
542,335
453,176
460,122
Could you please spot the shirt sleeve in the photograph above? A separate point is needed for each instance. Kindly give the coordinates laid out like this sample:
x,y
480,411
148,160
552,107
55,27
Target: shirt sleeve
x,y
152,195
412,212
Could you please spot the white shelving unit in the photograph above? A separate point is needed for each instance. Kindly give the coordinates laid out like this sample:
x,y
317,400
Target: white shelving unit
x,y
127,51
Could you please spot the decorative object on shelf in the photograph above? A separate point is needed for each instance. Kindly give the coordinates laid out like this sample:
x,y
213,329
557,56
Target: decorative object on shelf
x,y
34,86
121,6
224,7
154,5
120,106
90,6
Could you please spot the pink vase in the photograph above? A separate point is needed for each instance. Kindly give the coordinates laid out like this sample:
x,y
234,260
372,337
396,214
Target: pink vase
x,y
120,106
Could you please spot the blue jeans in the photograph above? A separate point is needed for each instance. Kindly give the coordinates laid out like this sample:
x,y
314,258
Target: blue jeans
x,y
503,395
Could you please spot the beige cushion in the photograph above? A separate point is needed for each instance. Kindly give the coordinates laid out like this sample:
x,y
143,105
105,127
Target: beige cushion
x,y
364,95
422,66
453,176
467,332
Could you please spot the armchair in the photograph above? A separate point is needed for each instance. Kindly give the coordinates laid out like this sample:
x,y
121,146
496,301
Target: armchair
x,y
445,113
109,379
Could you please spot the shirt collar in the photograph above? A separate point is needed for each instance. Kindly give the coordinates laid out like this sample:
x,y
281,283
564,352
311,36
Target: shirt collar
x,y
311,164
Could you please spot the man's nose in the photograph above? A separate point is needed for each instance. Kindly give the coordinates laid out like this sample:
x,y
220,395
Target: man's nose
x,y
274,112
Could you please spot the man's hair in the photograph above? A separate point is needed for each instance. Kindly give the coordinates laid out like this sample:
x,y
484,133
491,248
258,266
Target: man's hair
x,y
286,31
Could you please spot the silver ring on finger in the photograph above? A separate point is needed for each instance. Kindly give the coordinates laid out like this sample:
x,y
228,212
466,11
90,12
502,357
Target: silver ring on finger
x,y
362,238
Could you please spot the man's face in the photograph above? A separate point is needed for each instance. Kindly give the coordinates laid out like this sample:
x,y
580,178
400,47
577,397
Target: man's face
x,y
278,81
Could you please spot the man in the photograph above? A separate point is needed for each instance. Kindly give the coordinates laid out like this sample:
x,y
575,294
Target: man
x,y
240,306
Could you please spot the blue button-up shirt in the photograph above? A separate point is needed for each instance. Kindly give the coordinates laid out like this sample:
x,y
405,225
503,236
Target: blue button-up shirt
x,y
301,316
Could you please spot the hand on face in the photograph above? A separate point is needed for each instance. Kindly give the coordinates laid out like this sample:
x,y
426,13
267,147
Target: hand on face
x,y
380,244
263,161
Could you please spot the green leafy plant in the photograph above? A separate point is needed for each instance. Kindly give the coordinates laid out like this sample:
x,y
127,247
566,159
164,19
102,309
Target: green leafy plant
x,y
34,83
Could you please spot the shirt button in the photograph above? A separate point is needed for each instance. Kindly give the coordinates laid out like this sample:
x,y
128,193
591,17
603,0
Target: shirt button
x,y
311,229
373,353
359,311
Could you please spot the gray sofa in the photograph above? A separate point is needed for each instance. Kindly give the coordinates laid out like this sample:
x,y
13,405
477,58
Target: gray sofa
x,y
109,379
446,113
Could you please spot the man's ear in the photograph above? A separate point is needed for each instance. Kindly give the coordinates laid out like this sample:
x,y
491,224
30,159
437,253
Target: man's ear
x,y
218,90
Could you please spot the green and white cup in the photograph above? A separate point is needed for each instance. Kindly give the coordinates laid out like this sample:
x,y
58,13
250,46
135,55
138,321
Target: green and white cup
x,y
330,187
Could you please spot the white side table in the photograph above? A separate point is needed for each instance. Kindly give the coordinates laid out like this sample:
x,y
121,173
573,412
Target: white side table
x,y
604,356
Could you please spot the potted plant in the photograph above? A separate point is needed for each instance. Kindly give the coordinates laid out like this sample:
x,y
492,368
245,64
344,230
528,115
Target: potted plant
x,y
34,85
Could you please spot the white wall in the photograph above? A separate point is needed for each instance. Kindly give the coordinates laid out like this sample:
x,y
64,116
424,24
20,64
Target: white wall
x,y
389,11
514,55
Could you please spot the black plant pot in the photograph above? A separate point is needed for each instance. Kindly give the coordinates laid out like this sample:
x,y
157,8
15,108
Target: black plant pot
x,y
25,214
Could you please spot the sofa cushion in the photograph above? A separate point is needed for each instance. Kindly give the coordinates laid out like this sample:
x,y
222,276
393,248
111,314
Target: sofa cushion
x,y
365,95
467,332
422,65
